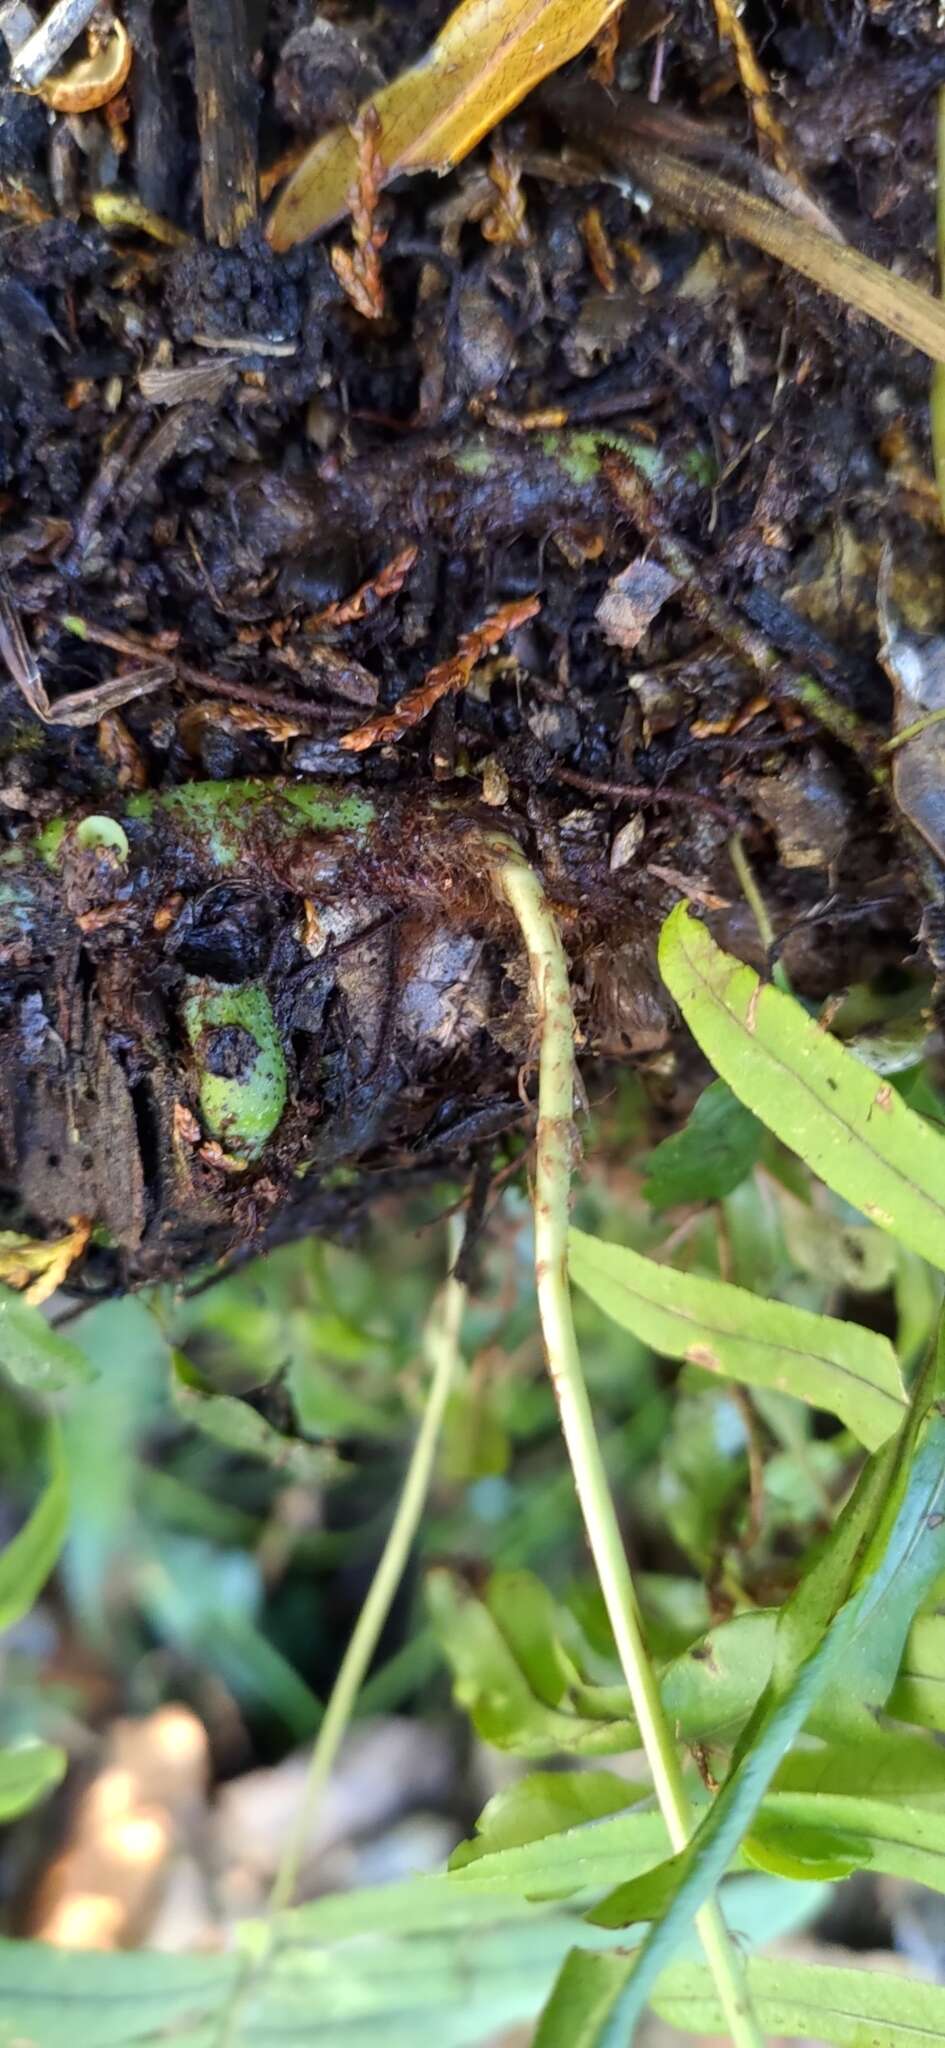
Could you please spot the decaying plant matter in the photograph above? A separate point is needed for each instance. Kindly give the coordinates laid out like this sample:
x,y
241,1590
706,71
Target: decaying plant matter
x,y
296,600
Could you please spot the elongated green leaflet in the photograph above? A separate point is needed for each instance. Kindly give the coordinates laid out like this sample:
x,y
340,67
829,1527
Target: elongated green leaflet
x,y
883,1575
849,1126
34,1355
849,1371
241,1429
821,1834
851,2008
27,1774
26,1563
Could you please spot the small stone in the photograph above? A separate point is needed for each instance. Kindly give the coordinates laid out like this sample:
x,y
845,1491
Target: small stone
x,y
627,842
631,601
556,726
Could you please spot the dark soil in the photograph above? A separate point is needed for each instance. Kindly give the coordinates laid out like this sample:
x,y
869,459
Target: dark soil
x,y
205,449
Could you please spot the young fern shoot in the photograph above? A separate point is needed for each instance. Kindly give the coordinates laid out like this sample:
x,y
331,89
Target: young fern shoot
x,y
519,886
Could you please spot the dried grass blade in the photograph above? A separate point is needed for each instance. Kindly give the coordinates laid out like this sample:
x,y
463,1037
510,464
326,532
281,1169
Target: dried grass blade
x,y
599,123
15,650
867,287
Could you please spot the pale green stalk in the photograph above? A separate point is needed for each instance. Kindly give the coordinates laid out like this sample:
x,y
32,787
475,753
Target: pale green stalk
x,y
758,907
522,890
441,1348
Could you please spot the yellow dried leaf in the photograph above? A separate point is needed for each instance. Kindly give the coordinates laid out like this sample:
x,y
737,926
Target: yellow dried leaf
x,y
487,57
38,1268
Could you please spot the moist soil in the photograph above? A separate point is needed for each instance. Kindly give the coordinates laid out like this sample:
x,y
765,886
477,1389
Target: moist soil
x,y
225,488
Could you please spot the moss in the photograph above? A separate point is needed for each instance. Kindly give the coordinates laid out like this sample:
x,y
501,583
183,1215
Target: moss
x,y
217,814
49,841
579,454
476,460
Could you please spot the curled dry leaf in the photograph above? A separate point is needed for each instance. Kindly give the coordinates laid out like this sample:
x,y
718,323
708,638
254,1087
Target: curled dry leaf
x,y
37,1268
487,57
94,80
117,210
445,677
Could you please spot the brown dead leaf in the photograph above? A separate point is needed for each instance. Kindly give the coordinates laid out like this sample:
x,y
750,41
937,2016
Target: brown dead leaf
x,y
489,54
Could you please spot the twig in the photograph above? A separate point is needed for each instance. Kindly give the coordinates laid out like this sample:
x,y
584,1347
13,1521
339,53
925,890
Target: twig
x,y
937,402
247,344
159,158
81,707
39,55
643,793
519,886
226,117
215,686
